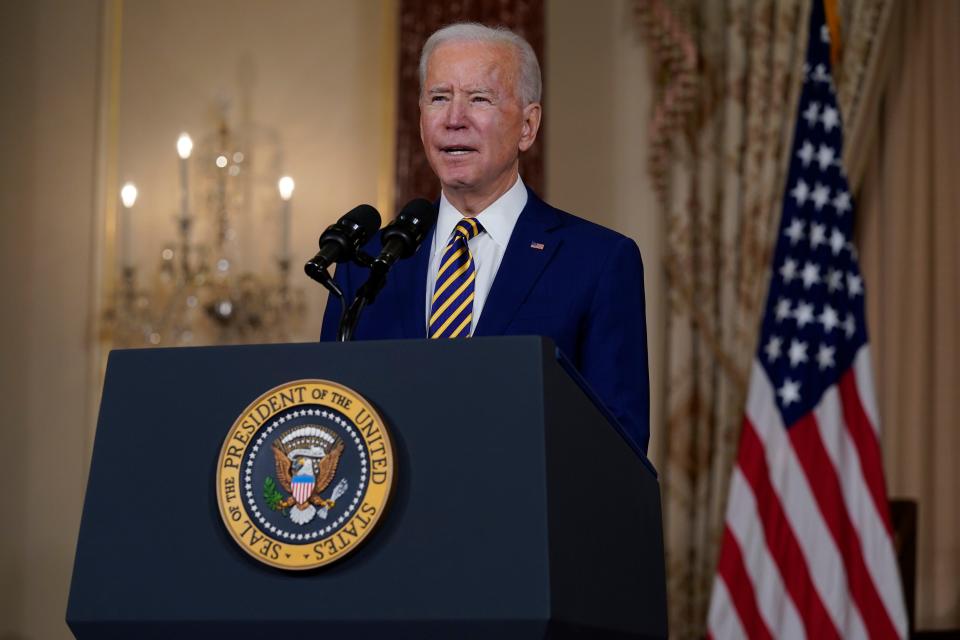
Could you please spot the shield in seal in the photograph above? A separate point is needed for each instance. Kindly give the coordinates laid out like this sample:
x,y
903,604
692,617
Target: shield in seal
x,y
304,474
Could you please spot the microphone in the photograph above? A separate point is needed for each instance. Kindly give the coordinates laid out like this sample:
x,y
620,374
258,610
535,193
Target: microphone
x,y
342,240
401,237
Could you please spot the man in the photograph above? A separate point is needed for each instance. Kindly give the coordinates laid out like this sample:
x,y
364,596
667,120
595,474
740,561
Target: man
x,y
500,261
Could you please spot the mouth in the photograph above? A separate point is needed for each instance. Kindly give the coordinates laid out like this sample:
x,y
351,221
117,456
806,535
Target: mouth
x,y
456,150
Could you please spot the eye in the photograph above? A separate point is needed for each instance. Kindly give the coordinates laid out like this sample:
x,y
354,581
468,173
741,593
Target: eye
x,y
435,99
480,100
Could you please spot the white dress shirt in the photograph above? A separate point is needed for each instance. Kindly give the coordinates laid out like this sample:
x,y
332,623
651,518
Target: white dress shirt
x,y
487,248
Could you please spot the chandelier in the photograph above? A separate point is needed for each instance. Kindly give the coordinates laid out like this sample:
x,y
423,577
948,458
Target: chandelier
x,y
197,293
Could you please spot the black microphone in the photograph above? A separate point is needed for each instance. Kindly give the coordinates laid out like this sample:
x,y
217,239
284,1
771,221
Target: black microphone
x,y
342,240
401,237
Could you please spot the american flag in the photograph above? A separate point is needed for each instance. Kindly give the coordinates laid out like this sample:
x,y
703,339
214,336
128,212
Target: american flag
x,y
807,547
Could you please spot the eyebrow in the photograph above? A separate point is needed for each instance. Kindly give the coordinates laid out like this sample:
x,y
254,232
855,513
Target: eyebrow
x,y
446,88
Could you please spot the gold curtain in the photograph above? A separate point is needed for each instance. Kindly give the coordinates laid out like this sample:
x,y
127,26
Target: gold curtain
x,y
727,76
909,237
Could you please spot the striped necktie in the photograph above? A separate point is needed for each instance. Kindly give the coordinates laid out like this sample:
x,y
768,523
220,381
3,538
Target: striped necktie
x,y
451,310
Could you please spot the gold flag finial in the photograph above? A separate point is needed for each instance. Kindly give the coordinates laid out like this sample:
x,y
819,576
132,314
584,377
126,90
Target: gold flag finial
x,y
833,24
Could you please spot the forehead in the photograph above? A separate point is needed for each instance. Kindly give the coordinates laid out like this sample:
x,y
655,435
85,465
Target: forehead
x,y
460,62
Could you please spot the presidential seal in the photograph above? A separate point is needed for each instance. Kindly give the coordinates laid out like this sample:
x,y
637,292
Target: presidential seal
x,y
304,474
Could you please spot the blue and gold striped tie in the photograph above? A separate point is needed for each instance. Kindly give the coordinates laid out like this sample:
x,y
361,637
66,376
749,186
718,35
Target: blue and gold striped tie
x,y
451,310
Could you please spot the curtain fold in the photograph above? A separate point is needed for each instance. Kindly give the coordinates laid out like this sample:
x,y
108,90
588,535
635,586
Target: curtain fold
x,y
727,75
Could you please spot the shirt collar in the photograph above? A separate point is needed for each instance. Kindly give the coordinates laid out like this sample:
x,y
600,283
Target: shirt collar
x,y
498,219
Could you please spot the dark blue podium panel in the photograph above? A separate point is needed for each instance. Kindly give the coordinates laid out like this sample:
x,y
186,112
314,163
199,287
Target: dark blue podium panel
x,y
518,510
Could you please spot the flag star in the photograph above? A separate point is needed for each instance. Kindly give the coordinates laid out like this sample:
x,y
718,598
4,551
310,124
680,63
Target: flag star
x,y
800,192
821,196
789,392
842,202
850,325
806,153
773,348
818,235
824,33
789,270
830,118
834,280
837,241
797,352
812,114
795,231
829,318
783,309
854,285
803,314
820,73
810,275
825,157
825,356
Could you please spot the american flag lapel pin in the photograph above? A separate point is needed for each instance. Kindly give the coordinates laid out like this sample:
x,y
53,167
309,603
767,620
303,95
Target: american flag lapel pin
x,y
536,245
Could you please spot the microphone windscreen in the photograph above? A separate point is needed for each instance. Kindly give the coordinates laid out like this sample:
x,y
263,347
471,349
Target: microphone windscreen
x,y
365,217
419,213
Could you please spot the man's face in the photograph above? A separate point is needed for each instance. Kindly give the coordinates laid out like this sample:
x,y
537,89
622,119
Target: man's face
x,y
472,124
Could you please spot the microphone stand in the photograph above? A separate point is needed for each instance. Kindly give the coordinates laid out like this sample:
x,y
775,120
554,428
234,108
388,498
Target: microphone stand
x,y
323,276
365,295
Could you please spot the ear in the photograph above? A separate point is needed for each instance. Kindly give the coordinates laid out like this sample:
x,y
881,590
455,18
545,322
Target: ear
x,y
421,126
530,125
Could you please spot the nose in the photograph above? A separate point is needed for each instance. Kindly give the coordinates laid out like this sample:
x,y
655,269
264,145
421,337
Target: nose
x,y
456,113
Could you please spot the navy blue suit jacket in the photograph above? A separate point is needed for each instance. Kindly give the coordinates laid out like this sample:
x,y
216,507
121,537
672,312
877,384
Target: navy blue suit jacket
x,y
584,289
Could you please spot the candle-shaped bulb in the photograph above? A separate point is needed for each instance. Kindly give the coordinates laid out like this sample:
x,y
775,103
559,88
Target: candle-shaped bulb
x,y
286,187
184,146
128,195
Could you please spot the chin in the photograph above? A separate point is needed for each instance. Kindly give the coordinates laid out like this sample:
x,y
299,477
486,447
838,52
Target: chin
x,y
456,180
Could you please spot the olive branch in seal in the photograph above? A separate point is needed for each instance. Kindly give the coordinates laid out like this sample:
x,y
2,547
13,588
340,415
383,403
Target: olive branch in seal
x,y
272,495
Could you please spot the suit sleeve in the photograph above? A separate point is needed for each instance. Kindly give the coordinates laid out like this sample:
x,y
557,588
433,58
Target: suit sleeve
x,y
331,314
613,354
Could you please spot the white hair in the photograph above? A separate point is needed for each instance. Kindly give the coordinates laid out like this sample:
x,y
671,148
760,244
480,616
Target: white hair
x,y
530,84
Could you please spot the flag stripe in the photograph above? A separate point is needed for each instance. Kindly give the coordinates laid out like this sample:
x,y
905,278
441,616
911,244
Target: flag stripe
x,y
743,521
868,447
877,544
780,537
863,375
744,598
819,549
826,488
724,622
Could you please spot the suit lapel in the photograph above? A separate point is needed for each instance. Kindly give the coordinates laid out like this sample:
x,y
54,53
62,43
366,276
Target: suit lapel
x,y
528,252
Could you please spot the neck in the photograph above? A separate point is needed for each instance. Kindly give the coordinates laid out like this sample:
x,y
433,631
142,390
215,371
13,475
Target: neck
x,y
469,203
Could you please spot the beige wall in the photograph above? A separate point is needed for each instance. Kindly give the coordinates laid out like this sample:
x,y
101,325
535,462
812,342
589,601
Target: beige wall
x,y
310,72
48,68
319,80
596,109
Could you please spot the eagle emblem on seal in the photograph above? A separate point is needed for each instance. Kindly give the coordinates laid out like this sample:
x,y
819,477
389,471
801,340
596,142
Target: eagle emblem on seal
x,y
306,460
